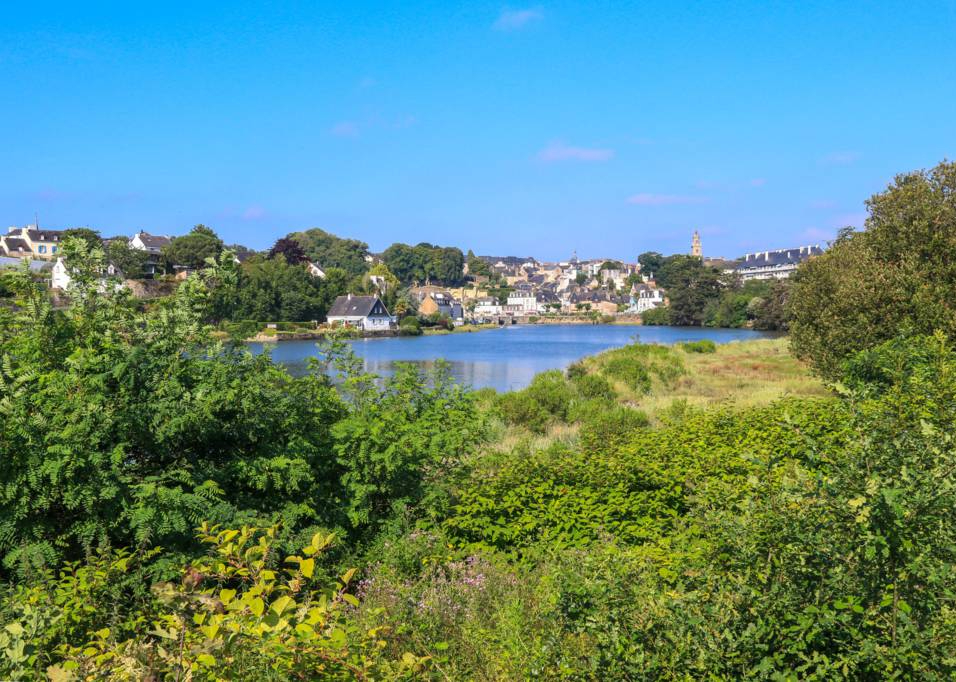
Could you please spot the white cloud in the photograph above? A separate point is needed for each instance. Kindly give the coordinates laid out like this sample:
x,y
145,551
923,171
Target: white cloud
x,y
558,151
758,182
648,199
515,19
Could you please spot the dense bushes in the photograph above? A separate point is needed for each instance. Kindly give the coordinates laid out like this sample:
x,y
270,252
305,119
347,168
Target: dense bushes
x,y
410,326
897,276
124,428
239,613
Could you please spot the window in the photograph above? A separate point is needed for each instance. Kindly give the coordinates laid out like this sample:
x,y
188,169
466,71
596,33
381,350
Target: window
x,y
41,249
52,249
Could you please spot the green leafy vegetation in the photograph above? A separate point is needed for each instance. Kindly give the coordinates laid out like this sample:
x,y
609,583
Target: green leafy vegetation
x,y
896,276
330,251
425,262
175,508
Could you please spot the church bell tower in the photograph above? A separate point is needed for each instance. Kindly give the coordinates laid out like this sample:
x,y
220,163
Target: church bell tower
x,y
695,249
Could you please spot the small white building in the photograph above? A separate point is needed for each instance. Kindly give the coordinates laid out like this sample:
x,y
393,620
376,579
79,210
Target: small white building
x,y
645,297
61,279
153,245
363,312
316,271
487,307
523,300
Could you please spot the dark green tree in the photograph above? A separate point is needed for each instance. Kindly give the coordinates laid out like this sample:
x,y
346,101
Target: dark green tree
x,y
191,250
290,249
651,262
90,236
132,262
330,251
898,274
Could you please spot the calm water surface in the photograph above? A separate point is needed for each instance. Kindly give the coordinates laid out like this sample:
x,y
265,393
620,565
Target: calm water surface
x,y
504,359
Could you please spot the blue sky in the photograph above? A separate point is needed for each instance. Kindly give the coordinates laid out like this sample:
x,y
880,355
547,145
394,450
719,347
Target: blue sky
x,y
607,127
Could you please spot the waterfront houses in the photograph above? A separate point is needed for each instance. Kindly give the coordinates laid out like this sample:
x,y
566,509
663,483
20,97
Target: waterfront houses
x,y
367,313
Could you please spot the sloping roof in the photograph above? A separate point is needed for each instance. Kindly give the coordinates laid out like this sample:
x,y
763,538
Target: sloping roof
x,y
44,235
153,241
16,244
354,306
792,256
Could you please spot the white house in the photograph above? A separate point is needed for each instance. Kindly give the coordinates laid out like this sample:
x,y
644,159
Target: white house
x,y
153,245
316,271
364,312
60,276
523,301
778,264
487,307
644,297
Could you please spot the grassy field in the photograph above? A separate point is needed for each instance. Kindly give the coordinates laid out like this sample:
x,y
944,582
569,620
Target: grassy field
x,y
740,374
744,373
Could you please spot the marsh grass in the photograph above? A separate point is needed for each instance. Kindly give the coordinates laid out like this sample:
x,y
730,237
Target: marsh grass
x,y
742,373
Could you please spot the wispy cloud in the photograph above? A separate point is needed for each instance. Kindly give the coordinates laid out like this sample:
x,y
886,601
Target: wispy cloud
x,y
558,151
844,158
345,129
366,83
648,199
822,203
254,212
515,19
758,182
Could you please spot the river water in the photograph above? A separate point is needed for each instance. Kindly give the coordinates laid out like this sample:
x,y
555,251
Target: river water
x,y
504,359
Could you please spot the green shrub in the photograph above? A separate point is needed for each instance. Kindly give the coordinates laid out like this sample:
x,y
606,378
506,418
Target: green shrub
x,y
576,370
660,316
636,364
605,430
552,391
410,326
702,346
594,386
520,409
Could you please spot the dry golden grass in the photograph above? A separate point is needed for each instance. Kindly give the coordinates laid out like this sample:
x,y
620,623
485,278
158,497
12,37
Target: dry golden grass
x,y
741,374
744,373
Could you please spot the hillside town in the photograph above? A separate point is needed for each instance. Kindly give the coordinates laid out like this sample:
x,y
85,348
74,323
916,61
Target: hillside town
x,y
490,289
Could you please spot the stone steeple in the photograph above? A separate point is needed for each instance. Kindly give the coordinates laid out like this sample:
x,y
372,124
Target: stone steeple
x,y
695,249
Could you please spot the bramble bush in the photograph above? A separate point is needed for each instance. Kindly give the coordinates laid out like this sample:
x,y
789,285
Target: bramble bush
x,y
239,613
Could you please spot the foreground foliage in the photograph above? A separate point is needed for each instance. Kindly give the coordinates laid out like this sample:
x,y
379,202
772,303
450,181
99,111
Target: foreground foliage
x,y
240,612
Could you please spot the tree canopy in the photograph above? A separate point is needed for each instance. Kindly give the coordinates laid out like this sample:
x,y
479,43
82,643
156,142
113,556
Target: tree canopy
x,y
444,265
290,249
330,251
191,250
898,274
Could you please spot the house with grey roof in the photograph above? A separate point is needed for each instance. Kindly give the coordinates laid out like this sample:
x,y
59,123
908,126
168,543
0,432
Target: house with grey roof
x,y
153,245
367,313
31,241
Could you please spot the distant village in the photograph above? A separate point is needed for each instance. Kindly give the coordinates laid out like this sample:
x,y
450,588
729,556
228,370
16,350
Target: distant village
x,y
502,290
